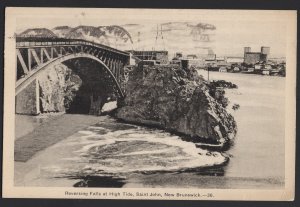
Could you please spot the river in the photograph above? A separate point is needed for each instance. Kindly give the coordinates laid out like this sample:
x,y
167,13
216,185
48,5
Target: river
x,y
107,153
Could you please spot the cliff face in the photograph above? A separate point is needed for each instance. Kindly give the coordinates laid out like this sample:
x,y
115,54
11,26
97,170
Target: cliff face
x,y
57,87
178,101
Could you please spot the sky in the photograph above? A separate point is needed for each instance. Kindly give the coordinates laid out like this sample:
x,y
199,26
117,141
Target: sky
x,y
234,29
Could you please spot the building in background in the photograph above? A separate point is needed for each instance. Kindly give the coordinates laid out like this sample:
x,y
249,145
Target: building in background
x,y
160,57
277,60
191,56
178,55
234,60
254,57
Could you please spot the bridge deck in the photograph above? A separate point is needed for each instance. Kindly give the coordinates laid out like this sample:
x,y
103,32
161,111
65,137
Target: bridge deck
x,y
27,42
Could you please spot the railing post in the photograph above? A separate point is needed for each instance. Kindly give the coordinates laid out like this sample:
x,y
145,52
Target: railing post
x,y
42,57
29,59
116,69
112,66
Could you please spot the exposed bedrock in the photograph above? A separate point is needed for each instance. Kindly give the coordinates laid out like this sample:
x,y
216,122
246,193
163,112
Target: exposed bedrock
x,y
58,86
178,101
75,87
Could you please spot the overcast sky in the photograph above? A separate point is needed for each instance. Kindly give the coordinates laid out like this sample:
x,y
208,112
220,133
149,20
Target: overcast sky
x,y
234,29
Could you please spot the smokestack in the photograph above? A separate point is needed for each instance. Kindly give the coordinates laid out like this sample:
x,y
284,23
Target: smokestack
x,y
247,49
265,50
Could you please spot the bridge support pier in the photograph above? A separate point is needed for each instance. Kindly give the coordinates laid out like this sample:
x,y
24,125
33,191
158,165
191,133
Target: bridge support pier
x,y
27,101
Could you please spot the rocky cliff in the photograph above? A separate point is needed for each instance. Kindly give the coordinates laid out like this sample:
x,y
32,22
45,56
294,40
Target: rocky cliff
x,y
57,87
178,101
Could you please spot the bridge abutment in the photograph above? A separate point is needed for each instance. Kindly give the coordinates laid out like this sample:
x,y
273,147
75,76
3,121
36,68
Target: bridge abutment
x,y
27,101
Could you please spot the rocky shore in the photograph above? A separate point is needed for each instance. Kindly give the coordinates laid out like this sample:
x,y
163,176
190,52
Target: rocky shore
x,y
179,101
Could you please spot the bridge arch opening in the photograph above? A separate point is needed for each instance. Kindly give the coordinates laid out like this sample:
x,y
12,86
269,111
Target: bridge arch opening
x,y
97,86
79,84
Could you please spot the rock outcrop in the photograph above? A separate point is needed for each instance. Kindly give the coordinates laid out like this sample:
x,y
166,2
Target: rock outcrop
x,y
58,86
178,101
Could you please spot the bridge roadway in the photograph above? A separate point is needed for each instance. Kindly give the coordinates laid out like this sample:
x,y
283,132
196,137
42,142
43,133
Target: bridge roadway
x,y
34,55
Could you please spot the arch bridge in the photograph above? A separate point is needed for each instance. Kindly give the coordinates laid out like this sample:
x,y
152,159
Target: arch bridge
x,y
34,55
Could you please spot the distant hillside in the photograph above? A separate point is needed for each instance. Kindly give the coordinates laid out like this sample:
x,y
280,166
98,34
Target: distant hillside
x,y
114,35
61,31
84,31
119,31
38,32
186,37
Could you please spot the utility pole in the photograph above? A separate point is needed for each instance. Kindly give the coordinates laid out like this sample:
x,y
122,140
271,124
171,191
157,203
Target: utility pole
x,y
208,74
159,36
138,41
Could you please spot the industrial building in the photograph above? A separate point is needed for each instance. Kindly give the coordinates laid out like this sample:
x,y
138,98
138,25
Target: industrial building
x,y
178,55
191,56
160,57
234,60
254,57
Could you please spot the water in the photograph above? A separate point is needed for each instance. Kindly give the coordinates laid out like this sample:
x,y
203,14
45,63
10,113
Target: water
x,y
29,123
113,154
259,146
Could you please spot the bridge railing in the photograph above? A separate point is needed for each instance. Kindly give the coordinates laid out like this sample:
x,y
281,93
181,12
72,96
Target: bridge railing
x,y
24,42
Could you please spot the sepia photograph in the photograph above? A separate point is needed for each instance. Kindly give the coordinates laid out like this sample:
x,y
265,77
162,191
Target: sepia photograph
x,y
149,104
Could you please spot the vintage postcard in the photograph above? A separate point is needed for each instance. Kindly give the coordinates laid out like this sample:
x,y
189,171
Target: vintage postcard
x,y
168,104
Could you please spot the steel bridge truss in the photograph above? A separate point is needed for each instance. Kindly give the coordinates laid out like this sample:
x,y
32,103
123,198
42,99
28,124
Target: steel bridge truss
x,y
32,56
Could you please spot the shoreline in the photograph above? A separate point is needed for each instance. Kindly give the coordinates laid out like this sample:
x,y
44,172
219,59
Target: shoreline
x,y
28,145
219,147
